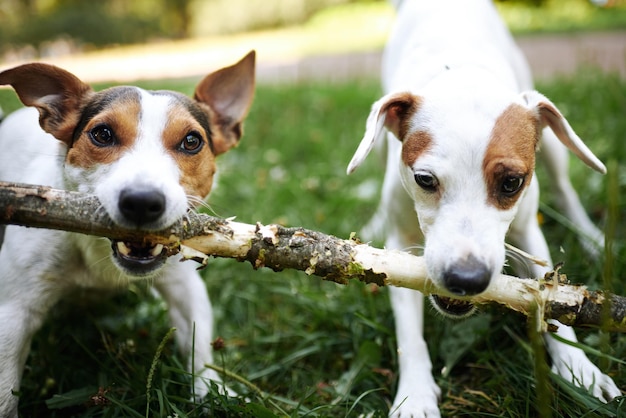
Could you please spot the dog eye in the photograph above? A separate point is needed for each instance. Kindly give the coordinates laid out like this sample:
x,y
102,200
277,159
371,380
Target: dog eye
x,y
511,185
191,144
102,136
426,181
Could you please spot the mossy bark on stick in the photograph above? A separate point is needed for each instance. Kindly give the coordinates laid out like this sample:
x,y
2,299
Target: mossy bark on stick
x,y
199,236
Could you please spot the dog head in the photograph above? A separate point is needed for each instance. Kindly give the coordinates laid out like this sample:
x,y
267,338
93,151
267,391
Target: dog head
x,y
466,164
147,155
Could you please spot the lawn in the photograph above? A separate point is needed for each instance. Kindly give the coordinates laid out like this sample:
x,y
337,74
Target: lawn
x,y
315,348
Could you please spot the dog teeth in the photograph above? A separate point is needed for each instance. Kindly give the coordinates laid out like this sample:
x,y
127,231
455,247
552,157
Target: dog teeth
x,y
123,249
156,250
130,250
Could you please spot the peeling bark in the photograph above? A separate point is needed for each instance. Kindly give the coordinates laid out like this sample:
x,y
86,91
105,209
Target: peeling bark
x,y
199,236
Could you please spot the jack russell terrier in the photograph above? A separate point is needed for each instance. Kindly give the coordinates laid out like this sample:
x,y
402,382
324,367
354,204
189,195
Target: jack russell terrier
x,y
149,156
463,126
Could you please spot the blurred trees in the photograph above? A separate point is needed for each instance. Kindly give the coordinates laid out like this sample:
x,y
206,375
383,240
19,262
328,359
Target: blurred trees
x,y
227,16
31,28
97,23
90,23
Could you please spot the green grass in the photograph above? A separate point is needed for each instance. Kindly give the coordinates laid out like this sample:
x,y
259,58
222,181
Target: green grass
x,y
315,348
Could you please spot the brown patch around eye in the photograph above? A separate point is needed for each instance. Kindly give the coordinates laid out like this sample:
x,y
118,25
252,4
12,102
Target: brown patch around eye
x,y
196,168
121,119
414,145
506,186
510,155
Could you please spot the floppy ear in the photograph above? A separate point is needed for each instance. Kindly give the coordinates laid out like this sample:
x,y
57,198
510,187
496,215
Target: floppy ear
x,y
393,112
549,115
56,93
229,93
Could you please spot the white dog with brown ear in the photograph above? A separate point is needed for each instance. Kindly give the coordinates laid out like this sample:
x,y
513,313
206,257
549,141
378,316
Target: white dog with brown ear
x,y
463,126
149,156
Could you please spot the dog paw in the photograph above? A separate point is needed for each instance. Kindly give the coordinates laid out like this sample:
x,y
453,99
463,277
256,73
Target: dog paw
x,y
579,370
420,402
415,408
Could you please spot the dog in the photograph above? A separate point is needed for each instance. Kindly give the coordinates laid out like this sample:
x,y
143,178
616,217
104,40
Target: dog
x,y
463,124
149,156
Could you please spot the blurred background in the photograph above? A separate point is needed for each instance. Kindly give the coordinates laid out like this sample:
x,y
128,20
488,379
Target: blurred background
x,y
126,40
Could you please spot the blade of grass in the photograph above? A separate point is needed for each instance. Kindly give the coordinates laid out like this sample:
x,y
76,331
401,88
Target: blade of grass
x,y
542,371
609,259
155,360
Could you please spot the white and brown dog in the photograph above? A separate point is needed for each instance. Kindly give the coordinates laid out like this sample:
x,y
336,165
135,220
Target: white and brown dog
x,y
149,156
464,125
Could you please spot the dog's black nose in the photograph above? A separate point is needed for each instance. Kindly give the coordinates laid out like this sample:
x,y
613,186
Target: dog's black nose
x,y
466,278
141,206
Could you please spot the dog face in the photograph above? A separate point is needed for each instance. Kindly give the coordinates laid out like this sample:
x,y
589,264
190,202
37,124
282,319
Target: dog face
x,y
147,155
466,164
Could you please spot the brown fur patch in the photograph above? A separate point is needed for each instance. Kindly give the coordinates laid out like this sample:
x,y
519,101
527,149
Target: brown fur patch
x,y
511,152
399,110
122,119
197,170
414,145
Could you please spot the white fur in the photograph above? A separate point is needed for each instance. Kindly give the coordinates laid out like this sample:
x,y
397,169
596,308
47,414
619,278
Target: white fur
x,y
146,163
38,266
459,57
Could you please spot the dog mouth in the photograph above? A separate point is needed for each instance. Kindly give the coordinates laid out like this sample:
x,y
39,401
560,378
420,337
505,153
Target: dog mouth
x,y
453,308
139,258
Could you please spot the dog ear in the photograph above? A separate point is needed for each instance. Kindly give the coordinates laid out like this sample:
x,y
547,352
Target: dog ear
x,y
549,115
229,93
393,112
56,93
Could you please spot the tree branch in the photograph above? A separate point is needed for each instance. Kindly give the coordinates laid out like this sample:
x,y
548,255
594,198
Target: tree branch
x,y
199,236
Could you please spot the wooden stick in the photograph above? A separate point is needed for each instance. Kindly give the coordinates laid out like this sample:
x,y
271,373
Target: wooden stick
x,y
199,236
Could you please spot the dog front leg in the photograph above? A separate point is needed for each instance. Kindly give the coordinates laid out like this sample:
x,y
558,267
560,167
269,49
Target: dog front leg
x,y
569,362
191,314
417,394
18,324
572,364
14,345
